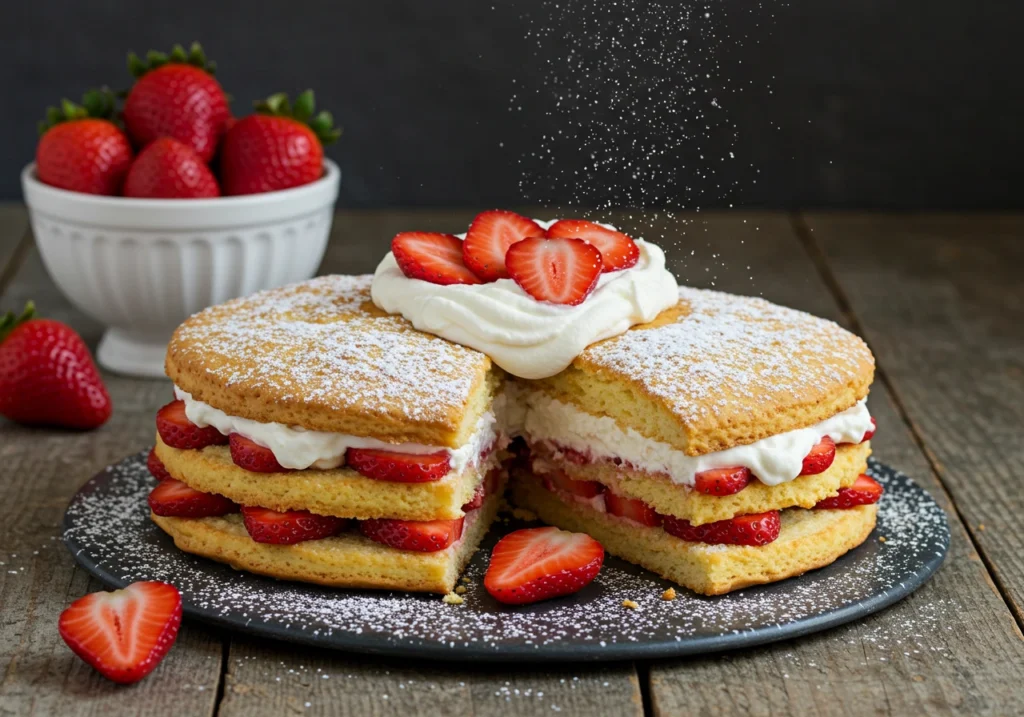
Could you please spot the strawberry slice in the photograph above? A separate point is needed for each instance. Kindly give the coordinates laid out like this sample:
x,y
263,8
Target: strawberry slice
x,y
870,433
156,466
399,467
178,432
559,271
175,499
569,454
754,529
631,509
477,500
489,238
425,536
540,563
559,480
722,481
250,455
295,526
864,491
126,633
618,251
432,257
820,457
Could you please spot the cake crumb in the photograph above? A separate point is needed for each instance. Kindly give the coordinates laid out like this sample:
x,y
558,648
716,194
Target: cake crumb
x,y
465,579
631,604
669,594
523,514
461,590
981,526
453,599
881,539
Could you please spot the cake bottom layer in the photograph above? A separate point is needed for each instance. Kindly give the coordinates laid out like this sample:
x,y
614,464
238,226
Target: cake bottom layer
x,y
809,539
349,560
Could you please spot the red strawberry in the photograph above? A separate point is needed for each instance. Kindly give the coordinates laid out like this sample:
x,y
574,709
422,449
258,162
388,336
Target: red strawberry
x,y
635,510
176,96
820,457
399,467
754,529
278,148
558,480
571,454
559,271
126,633
156,466
178,432
169,169
870,433
488,240
425,536
251,456
618,251
864,491
47,376
477,500
175,499
540,563
722,481
80,149
432,257
295,526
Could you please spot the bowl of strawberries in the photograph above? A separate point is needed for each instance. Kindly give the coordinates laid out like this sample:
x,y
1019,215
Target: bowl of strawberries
x,y
149,208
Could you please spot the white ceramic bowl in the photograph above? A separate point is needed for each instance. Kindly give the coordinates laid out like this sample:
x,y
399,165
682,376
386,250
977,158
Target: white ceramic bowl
x,y
142,266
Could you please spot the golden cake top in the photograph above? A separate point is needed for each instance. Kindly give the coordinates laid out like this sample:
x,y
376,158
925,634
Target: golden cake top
x,y
321,356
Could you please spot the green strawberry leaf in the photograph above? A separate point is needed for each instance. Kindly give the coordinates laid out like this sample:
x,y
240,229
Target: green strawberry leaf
x,y
321,123
11,321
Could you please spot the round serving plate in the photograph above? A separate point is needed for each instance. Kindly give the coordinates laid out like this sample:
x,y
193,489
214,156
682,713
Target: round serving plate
x,y
108,530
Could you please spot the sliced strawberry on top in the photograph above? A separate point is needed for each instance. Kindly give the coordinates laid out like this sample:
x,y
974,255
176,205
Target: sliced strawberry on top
x,y
250,455
178,432
173,498
754,529
156,466
432,257
425,536
631,509
294,526
820,457
722,481
618,251
489,237
540,563
864,491
559,480
559,271
399,467
126,633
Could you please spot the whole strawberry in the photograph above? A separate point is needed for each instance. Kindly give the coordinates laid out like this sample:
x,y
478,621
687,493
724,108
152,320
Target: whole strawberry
x,y
169,169
278,148
176,96
47,376
80,149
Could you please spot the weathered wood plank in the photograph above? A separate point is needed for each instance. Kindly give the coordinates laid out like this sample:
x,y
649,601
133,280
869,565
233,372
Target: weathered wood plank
x,y
40,469
942,302
951,647
13,236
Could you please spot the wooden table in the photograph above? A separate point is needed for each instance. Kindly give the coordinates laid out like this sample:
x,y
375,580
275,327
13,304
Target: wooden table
x,y
940,299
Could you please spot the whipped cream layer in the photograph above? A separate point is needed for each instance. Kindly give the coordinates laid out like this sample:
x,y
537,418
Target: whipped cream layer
x,y
529,338
298,448
773,460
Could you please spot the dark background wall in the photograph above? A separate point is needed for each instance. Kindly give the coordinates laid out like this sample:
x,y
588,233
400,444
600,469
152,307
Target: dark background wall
x,y
871,103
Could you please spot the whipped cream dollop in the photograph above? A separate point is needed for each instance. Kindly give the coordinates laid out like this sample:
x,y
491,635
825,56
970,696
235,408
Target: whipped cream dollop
x,y
298,448
529,338
773,460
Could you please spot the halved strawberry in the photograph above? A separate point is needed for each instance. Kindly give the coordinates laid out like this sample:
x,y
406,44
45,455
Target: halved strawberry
x,y
178,432
870,433
425,536
294,526
126,633
559,271
618,251
489,237
559,480
820,457
864,491
541,563
156,466
632,509
722,481
399,467
754,529
250,455
432,257
175,499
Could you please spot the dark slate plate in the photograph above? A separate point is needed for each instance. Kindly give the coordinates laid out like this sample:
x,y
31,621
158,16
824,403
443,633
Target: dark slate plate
x,y
107,529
